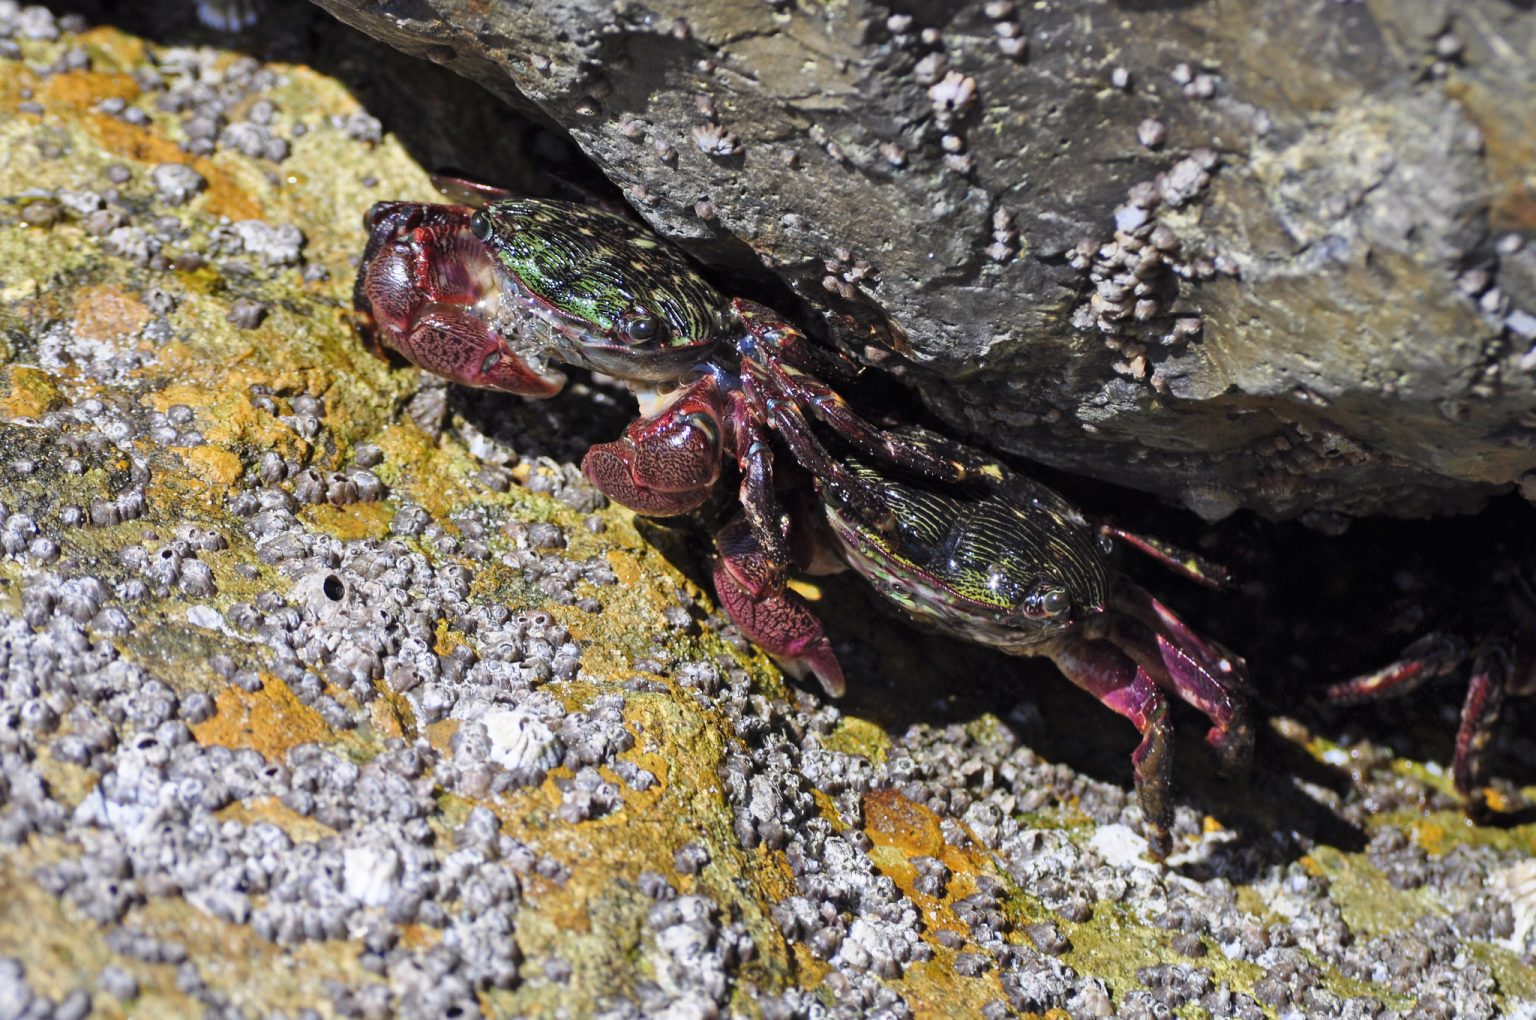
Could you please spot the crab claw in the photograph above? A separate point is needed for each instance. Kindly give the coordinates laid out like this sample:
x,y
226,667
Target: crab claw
x,y
456,344
750,585
426,288
666,463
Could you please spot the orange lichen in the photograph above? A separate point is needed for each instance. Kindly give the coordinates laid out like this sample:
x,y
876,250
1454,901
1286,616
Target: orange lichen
x,y
440,734
213,464
392,716
269,721
81,90
270,809
1497,802
352,522
1431,836
625,568
107,312
27,392
892,820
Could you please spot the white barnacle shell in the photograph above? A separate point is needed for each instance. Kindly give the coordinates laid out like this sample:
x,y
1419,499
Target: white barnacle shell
x,y
522,743
952,93
1517,885
369,874
321,594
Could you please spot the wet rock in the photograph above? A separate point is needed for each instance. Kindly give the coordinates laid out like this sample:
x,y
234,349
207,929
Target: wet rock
x,y
1336,365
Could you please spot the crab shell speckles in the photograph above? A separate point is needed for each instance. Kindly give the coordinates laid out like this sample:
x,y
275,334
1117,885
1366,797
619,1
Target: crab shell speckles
x,y
584,276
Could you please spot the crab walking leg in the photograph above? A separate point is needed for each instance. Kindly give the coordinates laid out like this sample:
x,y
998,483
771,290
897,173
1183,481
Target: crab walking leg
x,y
1479,715
1431,656
770,337
667,463
750,585
786,419
783,363
1201,674
759,503
948,461
1121,685
1182,561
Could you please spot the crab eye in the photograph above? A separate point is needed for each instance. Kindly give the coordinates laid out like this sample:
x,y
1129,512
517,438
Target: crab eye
x,y
480,225
1048,600
642,328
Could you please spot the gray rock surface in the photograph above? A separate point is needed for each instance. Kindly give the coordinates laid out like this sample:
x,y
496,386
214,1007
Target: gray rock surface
x,y
1277,256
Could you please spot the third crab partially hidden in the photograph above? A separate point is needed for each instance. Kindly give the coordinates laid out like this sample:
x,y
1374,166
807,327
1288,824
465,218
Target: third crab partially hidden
x,y
494,292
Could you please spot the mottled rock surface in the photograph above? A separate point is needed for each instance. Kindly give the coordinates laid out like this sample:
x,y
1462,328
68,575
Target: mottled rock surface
x,y
1268,255
325,692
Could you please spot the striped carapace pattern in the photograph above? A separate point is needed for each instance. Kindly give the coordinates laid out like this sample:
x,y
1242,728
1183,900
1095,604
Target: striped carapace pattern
x,y
601,268
972,560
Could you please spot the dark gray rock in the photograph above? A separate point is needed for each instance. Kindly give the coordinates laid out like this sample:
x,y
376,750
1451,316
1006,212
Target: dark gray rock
x,y
1255,257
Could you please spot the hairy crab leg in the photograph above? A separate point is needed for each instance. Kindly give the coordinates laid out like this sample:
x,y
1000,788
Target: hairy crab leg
x,y
750,585
1123,686
1503,665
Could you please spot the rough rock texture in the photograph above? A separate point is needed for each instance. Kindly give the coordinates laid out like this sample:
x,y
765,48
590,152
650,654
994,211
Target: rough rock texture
x,y
1268,255
327,693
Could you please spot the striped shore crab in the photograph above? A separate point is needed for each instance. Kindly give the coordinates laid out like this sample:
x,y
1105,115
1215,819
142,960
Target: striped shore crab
x,y
1020,569
998,559
490,295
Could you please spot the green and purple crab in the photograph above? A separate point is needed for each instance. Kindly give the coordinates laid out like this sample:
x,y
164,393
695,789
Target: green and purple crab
x,y
489,296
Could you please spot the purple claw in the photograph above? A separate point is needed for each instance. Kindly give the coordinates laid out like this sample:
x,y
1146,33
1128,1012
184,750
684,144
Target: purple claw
x,y
667,463
423,290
